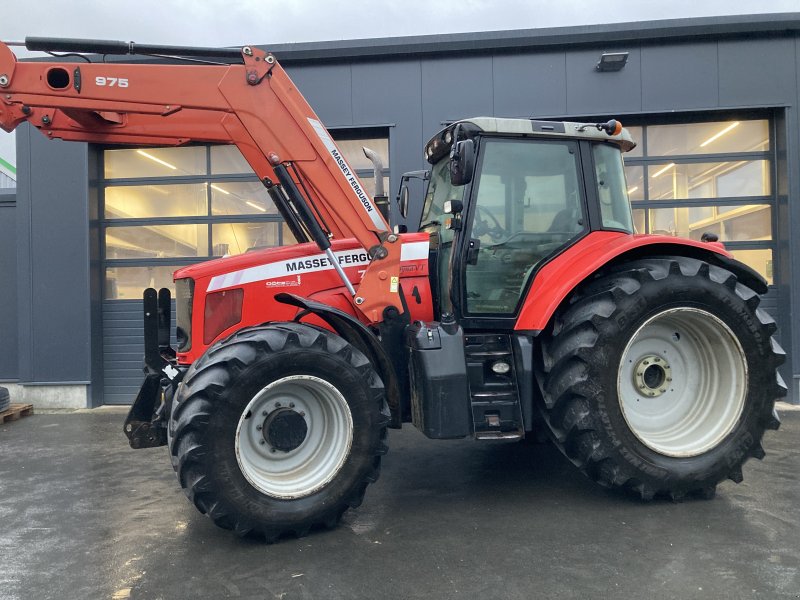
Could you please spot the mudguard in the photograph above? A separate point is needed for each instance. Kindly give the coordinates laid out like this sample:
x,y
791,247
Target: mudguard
x,y
553,283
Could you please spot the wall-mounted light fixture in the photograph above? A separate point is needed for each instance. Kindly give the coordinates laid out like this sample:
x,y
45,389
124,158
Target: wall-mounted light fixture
x,y
612,61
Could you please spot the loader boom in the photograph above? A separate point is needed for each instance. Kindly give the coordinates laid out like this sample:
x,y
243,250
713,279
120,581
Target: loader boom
x,y
253,105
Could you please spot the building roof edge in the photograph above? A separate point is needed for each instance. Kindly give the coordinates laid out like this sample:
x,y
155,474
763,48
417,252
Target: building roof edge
x,y
522,39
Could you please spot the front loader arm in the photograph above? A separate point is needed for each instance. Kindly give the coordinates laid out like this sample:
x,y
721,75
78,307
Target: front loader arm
x,y
253,105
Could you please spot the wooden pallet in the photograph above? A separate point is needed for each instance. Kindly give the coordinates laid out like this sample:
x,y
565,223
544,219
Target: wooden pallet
x,y
15,411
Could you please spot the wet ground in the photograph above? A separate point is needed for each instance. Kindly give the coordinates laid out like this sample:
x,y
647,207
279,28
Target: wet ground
x,y
82,517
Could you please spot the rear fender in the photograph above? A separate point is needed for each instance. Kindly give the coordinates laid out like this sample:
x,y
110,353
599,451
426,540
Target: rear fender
x,y
556,280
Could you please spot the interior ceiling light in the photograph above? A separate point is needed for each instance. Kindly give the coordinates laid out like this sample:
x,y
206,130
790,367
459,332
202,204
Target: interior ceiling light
x,y
633,189
664,170
719,134
158,160
612,61
254,205
219,189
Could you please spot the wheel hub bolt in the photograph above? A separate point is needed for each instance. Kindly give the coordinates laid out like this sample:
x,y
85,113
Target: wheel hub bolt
x,y
651,375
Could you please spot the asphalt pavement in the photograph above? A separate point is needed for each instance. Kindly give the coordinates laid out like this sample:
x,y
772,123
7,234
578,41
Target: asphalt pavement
x,y
82,516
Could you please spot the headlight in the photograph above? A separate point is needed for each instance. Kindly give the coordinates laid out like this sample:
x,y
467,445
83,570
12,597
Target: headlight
x,y
223,310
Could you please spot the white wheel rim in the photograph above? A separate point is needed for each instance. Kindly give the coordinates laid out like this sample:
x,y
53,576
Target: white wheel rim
x,y
310,466
682,382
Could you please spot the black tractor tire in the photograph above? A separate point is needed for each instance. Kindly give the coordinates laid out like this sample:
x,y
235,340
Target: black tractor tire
x,y
613,413
214,444
5,399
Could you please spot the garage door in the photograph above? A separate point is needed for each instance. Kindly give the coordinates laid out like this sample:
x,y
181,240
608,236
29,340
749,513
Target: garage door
x,y
164,208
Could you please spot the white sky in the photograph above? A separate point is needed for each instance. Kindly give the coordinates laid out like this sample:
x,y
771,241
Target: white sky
x,y
240,22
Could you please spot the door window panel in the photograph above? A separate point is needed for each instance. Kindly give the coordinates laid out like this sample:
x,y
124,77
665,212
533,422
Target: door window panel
x,y
156,201
240,198
527,206
237,238
127,283
748,223
635,178
732,179
154,162
157,241
228,160
716,137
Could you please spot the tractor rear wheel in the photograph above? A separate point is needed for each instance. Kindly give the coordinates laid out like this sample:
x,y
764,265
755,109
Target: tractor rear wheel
x,y
660,377
278,429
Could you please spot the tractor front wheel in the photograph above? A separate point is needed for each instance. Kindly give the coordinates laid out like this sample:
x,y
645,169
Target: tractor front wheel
x,y
278,429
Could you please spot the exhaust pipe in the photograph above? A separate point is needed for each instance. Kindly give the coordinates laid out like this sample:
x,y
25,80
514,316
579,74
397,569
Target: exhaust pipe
x,y
379,196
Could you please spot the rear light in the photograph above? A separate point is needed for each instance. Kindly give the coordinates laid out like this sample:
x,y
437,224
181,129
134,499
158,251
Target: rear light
x,y
223,310
184,296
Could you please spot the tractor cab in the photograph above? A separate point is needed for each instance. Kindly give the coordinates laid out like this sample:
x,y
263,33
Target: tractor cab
x,y
507,195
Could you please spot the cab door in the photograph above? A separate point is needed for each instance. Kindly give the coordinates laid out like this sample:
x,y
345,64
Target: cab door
x,y
527,203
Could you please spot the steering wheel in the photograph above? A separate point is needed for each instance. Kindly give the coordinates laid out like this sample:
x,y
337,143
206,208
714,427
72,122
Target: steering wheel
x,y
487,224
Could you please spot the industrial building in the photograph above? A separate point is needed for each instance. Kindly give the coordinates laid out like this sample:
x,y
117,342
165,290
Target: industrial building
x,y
713,103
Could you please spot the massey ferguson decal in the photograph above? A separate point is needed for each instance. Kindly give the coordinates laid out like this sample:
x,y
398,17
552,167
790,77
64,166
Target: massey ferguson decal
x,y
288,272
349,174
288,268
316,263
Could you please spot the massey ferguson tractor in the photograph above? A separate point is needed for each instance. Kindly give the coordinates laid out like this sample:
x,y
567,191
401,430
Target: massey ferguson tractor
x,y
523,304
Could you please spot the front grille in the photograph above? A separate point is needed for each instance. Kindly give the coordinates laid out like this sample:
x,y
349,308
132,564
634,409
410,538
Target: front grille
x,y
184,294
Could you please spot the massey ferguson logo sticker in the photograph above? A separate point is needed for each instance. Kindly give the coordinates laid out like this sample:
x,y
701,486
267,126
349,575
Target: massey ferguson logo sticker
x,y
288,268
286,273
318,263
352,180
349,174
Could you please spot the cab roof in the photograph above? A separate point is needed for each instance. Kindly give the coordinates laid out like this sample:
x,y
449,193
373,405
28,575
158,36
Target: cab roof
x,y
439,143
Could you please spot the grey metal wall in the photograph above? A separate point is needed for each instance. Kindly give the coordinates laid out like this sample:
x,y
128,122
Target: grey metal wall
x,y
53,260
414,96
9,363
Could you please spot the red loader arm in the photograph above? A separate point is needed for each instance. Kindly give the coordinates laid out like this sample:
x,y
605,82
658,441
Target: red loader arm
x,y
253,105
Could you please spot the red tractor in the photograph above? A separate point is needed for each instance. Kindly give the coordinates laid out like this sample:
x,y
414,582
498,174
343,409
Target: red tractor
x,y
524,304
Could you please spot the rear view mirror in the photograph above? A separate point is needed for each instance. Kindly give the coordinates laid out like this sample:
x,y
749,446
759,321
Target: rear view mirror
x,y
403,200
462,161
